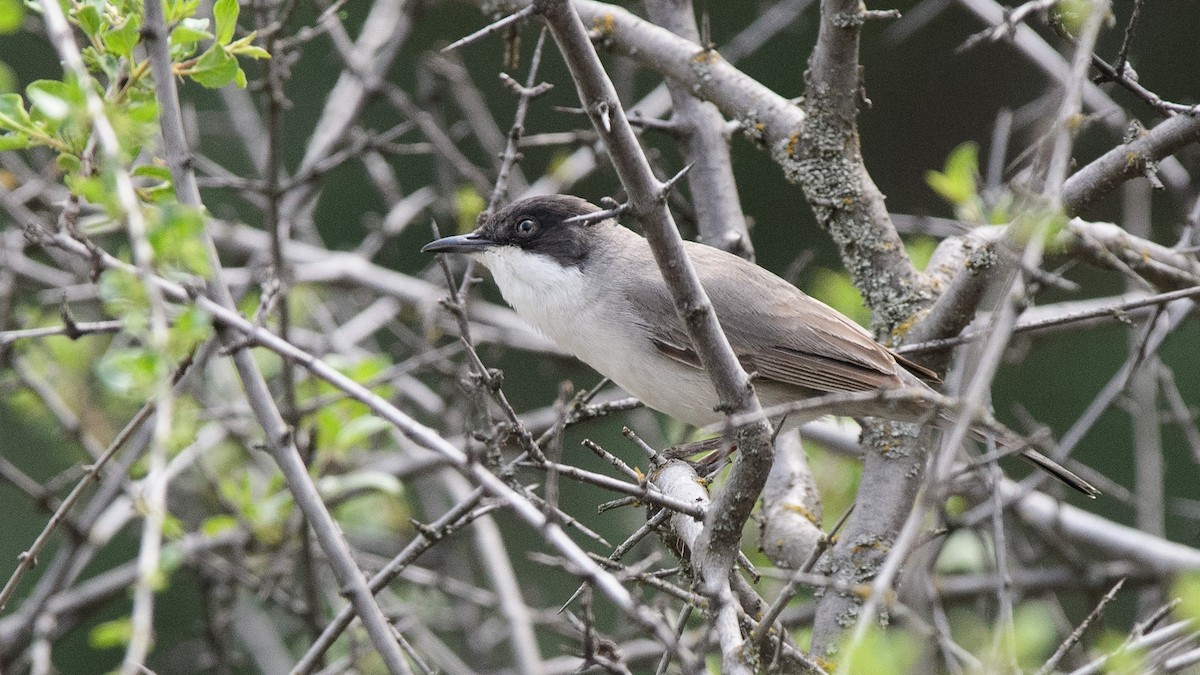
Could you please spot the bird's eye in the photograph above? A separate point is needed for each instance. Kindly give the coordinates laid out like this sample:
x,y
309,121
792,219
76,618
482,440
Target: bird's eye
x,y
526,227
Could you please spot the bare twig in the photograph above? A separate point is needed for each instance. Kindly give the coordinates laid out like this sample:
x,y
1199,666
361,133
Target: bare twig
x,y
716,553
1077,634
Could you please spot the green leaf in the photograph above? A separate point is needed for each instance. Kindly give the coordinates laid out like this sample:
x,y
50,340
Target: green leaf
x,y
111,634
185,422
467,204
100,190
155,171
143,112
214,525
160,190
13,115
67,163
13,142
215,69
1034,634
172,529
962,552
362,369
1122,657
89,18
176,237
920,250
189,31
180,10
1187,589
1072,14
90,188
956,183
1001,212
12,15
334,487
370,512
121,41
357,431
191,327
122,293
53,100
1044,222
102,61
8,79
836,290
897,648
225,13
131,372
253,52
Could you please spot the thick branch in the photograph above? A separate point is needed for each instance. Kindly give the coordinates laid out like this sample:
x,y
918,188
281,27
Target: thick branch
x,y
847,202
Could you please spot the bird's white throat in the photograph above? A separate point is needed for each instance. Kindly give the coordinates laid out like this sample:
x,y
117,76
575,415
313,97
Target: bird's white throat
x,y
550,297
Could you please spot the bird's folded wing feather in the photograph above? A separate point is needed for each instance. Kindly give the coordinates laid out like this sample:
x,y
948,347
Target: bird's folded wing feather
x,y
783,335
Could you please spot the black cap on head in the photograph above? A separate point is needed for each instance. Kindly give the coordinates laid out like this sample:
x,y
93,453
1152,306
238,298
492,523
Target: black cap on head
x,y
535,225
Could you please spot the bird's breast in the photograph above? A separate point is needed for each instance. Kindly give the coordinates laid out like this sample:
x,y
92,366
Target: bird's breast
x,y
562,304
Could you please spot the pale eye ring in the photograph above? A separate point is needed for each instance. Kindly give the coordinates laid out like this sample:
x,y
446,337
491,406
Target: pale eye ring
x,y
526,227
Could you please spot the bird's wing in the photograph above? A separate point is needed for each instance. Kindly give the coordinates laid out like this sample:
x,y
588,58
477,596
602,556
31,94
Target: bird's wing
x,y
784,336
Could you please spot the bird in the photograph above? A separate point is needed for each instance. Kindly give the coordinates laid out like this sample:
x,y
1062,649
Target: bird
x,y
592,287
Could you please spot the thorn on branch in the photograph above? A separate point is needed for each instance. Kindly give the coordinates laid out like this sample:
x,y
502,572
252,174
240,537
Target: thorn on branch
x,y
602,113
880,14
653,455
598,216
450,305
235,346
493,27
431,533
618,503
638,120
70,328
35,235
1150,172
748,567
195,288
523,91
285,437
669,185
583,398
615,461
495,379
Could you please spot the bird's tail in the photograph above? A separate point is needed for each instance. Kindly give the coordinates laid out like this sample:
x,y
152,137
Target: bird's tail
x,y
1009,441
1012,442
1060,472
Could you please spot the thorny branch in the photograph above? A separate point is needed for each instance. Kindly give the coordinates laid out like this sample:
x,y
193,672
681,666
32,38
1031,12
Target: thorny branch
x,y
324,269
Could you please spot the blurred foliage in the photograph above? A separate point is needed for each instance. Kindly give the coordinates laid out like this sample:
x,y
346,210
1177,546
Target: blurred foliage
x,y
1187,590
835,289
892,651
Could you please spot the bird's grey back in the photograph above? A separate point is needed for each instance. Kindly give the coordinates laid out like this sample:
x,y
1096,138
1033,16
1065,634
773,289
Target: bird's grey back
x,y
777,330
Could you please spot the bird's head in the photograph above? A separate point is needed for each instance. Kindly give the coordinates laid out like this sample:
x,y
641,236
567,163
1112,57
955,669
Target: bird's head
x,y
537,227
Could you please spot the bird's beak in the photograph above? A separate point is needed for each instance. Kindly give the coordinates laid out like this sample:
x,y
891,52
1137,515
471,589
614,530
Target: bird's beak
x,y
462,243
